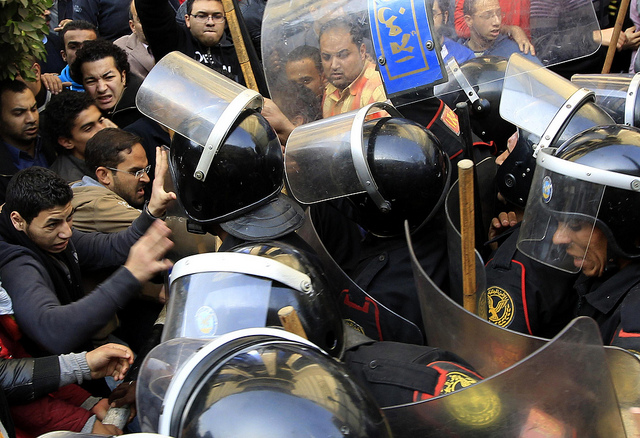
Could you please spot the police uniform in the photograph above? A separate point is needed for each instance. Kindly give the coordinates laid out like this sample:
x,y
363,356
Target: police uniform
x,y
614,302
381,266
527,296
398,373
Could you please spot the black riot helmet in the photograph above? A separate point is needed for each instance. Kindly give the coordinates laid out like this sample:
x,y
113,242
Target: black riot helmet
x,y
262,382
226,160
216,293
592,180
548,110
392,169
411,171
479,83
246,172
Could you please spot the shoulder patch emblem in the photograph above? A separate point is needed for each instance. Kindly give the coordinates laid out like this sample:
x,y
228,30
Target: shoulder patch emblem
x,y
456,381
499,306
450,119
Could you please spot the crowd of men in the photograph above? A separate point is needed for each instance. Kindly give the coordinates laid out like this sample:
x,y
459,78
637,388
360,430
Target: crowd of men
x,y
82,183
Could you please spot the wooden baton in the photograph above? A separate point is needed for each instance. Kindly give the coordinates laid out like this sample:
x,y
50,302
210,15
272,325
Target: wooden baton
x,y
613,44
467,231
239,44
291,321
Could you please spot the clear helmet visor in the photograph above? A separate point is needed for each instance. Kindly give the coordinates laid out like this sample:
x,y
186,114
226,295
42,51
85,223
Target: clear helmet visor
x,y
531,98
327,159
559,224
617,94
217,293
188,97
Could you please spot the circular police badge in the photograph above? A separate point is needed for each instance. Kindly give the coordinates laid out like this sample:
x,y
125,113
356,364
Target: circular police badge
x,y
476,407
499,306
547,189
206,320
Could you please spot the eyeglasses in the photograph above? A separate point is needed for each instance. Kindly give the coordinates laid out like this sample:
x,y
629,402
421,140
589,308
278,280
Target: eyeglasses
x,y
216,17
490,14
137,174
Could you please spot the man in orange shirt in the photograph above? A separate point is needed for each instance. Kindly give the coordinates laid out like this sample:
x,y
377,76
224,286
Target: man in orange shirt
x,y
353,79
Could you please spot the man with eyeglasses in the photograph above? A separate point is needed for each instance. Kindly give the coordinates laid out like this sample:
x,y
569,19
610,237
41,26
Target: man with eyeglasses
x,y
109,201
202,36
484,18
112,198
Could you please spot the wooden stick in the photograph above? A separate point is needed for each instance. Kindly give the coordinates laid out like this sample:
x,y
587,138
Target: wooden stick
x,y
239,44
291,322
617,28
467,230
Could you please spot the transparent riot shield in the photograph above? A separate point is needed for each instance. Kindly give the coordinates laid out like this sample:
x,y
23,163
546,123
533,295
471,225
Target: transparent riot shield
x,y
490,349
560,31
563,389
487,347
390,322
617,94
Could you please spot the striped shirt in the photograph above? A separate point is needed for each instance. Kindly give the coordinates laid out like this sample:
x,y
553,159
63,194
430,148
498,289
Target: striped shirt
x,y
365,89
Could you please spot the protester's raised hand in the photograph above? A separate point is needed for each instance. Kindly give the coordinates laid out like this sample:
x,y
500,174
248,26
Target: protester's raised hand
x,y
146,257
160,198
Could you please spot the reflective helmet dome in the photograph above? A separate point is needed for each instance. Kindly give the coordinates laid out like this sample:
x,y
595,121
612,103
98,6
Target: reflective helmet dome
x,y
247,171
258,383
486,75
411,171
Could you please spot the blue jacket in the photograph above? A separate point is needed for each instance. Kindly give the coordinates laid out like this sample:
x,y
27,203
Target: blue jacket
x,y
65,76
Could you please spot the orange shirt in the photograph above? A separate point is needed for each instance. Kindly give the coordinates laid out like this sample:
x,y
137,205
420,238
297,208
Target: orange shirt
x,y
365,89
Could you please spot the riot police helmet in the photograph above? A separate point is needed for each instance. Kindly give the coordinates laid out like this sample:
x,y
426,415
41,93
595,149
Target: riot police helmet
x,y
391,169
592,180
548,110
412,172
254,382
215,293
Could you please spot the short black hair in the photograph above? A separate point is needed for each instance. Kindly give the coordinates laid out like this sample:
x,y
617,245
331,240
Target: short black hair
x,y
77,25
306,52
300,101
350,23
190,5
35,189
14,86
96,50
60,114
103,149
